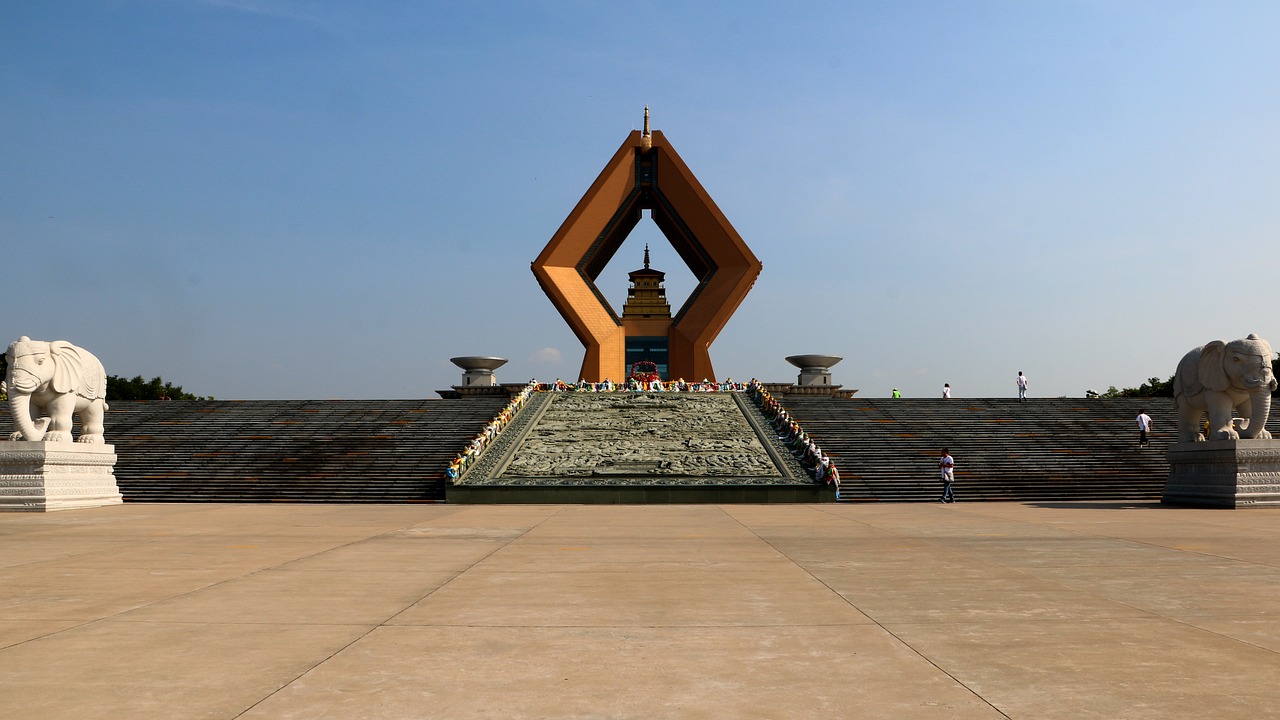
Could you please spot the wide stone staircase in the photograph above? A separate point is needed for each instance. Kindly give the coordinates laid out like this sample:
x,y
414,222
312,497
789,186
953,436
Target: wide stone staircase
x,y
392,451
353,451
1041,449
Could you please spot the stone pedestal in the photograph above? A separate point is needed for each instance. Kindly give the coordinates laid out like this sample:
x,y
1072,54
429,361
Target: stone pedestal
x,y
1224,474
46,476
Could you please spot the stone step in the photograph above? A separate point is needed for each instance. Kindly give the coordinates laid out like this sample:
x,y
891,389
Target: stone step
x,y
1041,449
396,450
290,451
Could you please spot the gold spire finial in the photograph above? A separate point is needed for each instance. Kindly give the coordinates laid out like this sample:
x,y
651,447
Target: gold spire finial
x,y
646,140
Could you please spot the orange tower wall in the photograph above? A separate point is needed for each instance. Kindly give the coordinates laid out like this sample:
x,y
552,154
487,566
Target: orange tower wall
x,y
731,272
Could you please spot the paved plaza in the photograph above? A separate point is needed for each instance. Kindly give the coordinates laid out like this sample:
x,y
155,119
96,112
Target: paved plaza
x,y
982,610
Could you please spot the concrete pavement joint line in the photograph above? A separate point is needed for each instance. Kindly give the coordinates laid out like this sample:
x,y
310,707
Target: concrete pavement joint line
x,y
55,633
383,623
1201,553
877,622
472,566
1132,541
1153,616
1028,573
306,672
1118,538
117,617
86,623
1216,634
1082,533
646,626
43,530
1163,616
980,592
1140,611
957,680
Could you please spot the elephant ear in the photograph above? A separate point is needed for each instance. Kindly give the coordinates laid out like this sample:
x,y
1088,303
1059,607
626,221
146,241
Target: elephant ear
x,y
93,375
68,367
1210,370
1187,378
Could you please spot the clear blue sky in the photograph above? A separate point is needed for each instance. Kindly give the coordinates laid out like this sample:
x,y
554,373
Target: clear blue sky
x,y
278,199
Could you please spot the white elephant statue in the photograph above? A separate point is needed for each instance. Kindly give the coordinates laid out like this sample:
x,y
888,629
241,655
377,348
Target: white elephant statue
x,y
1221,378
49,382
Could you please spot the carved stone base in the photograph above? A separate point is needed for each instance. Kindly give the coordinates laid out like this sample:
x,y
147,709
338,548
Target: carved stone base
x,y
637,494
1224,474
46,476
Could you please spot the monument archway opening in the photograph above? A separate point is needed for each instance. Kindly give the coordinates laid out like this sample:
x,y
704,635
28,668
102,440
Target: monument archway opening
x,y
615,281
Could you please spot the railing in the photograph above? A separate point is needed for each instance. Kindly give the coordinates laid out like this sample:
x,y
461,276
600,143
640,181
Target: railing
x,y
634,385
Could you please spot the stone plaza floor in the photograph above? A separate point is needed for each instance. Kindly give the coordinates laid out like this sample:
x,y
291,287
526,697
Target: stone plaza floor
x,y
984,610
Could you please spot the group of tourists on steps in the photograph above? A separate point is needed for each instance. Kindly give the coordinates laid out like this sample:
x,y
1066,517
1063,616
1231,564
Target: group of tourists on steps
x,y
818,463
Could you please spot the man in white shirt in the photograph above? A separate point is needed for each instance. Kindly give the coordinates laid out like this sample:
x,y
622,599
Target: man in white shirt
x,y
946,391
1022,386
947,466
1144,427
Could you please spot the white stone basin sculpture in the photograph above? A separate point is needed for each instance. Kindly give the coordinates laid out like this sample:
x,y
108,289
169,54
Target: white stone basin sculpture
x,y
478,369
814,369
814,361
478,362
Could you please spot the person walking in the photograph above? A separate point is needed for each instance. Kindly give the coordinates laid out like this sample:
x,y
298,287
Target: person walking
x,y
948,467
1022,386
946,391
1144,427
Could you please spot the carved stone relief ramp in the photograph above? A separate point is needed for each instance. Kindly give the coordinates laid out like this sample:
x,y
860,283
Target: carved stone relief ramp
x,y
637,447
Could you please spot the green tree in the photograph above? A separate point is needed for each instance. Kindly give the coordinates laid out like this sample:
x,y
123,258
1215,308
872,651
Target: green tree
x,y
1151,388
139,389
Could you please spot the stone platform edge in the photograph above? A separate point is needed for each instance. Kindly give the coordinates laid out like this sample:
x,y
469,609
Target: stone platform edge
x,y
637,494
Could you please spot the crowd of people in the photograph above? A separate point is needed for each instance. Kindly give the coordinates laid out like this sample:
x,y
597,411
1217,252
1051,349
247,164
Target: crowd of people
x,y
636,385
818,463
476,447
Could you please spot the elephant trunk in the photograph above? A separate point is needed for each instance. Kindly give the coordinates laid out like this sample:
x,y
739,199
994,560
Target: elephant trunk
x,y
20,409
1259,409
1263,380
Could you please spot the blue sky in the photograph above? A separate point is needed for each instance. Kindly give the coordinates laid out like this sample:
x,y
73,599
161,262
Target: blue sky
x,y
261,199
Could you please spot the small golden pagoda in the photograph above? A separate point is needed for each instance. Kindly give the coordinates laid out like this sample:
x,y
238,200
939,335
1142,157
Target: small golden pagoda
x,y
646,298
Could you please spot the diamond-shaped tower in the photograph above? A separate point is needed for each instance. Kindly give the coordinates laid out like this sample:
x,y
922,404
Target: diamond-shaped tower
x,y
646,174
